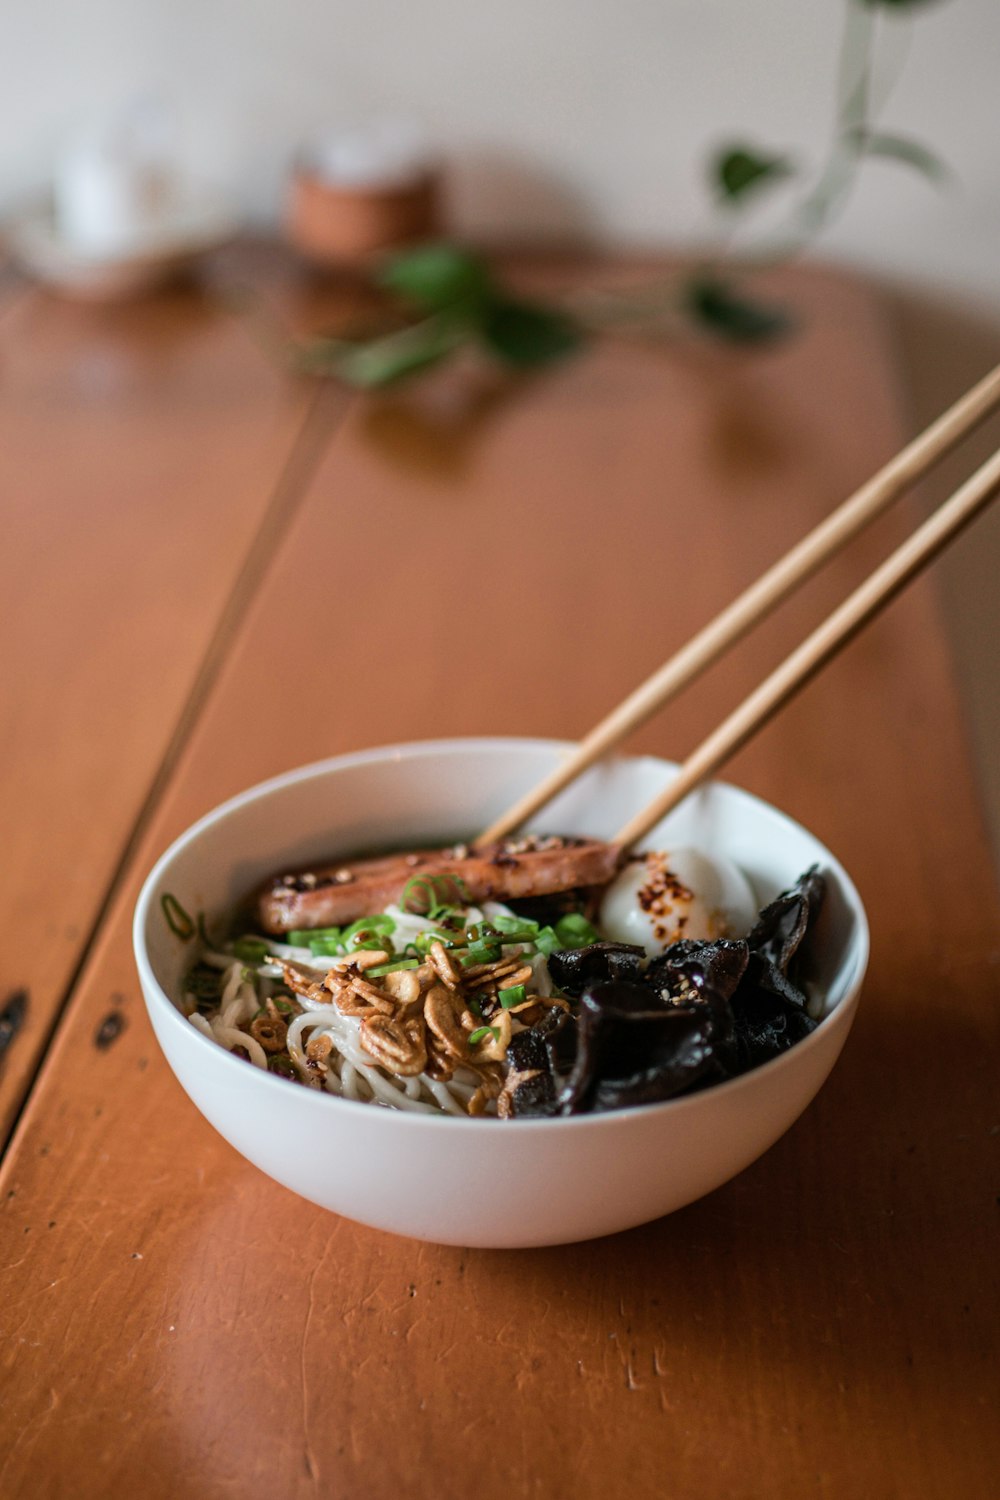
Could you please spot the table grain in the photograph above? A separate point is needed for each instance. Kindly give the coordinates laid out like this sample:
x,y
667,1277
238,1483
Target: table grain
x,y
174,1323
145,451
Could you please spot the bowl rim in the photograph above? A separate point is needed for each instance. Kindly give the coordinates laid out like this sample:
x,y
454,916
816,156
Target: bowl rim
x,y
360,1109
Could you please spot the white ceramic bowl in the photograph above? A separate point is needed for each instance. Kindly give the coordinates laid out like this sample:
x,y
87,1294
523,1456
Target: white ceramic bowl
x,y
484,1182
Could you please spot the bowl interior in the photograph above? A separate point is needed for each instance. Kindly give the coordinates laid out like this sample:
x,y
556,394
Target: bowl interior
x,y
440,792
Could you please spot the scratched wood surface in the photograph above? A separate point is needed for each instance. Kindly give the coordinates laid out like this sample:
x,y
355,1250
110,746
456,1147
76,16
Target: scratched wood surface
x,y
143,449
175,1324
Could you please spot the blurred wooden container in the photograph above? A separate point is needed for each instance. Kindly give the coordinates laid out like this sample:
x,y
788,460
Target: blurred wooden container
x,y
344,226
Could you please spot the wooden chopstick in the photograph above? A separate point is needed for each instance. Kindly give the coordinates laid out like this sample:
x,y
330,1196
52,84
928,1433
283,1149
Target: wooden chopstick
x,y
763,596
836,631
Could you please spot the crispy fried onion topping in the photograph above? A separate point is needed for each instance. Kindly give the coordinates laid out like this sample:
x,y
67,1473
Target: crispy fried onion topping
x,y
423,1020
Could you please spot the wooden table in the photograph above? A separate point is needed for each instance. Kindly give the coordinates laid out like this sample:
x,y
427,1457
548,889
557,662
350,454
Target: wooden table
x,y
211,572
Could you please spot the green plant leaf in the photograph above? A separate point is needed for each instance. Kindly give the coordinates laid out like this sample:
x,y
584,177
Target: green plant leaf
x,y
728,314
736,170
437,276
394,356
527,334
900,148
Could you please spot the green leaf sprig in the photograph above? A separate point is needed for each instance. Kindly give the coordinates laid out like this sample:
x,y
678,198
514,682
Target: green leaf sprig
x,y
452,300
715,298
455,302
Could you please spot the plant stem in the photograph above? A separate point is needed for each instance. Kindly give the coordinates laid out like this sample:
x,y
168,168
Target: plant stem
x,y
851,123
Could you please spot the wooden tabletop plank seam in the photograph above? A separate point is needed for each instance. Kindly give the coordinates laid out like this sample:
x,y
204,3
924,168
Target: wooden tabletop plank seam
x,y
326,408
174,1323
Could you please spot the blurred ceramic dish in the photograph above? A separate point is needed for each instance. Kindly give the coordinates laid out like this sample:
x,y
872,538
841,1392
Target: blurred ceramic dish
x,y
479,1182
200,222
345,226
355,192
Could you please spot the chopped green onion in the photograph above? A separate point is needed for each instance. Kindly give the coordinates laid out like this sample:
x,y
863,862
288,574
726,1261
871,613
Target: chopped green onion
x,y
178,920
481,1032
303,936
434,893
424,941
204,982
574,931
252,950
519,932
418,889
325,948
546,941
516,927
284,1006
448,916
480,953
481,932
281,1063
515,995
379,922
377,943
394,968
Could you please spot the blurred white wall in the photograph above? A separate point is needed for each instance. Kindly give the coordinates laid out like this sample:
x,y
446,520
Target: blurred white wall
x,y
562,116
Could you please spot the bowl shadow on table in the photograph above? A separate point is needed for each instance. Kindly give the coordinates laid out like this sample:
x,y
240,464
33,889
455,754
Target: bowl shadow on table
x,y
817,1270
833,1239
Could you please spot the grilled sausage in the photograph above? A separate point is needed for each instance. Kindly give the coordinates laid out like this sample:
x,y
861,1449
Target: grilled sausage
x,y
509,870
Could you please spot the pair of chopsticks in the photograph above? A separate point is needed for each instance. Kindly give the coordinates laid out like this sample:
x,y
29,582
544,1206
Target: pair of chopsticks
x,y
763,596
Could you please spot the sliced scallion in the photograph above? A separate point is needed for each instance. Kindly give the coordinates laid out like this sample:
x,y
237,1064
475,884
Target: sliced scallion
x,y
515,995
481,1032
303,936
424,941
178,920
574,931
393,968
252,950
325,947
546,941
379,922
516,929
480,953
371,942
434,895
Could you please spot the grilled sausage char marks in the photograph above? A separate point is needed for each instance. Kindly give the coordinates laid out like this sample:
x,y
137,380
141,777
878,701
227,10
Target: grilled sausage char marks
x,y
510,870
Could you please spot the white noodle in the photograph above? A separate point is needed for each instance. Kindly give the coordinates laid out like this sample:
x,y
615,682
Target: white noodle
x,y
326,1020
240,1009
213,959
230,1037
233,981
349,1070
443,1095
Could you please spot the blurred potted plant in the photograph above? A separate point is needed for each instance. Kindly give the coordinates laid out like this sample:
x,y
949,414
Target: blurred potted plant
x,y
443,298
